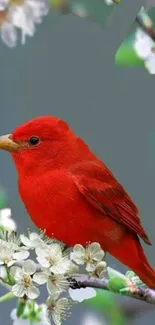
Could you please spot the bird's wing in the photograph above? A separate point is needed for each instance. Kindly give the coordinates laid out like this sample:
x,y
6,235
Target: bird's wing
x,y
100,188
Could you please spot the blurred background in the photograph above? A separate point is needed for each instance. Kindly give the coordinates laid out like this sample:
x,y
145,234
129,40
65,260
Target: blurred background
x,y
67,69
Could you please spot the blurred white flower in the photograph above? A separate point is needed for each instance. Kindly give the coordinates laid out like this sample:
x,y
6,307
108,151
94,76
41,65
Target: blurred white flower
x,y
82,294
150,63
91,255
3,4
22,15
109,2
91,319
41,314
22,18
52,258
56,283
33,241
8,34
6,221
58,309
9,254
143,46
24,282
78,9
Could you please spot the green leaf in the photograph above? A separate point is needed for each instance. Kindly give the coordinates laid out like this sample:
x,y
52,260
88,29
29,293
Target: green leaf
x,y
115,284
7,296
126,56
105,302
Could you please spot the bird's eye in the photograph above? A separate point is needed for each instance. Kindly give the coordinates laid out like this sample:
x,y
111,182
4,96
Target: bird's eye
x,y
33,141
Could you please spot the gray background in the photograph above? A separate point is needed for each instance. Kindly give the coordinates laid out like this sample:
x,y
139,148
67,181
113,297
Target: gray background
x,y
68,70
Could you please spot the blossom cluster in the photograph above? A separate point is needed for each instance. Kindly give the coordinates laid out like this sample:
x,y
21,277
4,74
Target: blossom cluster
x,y
21,17
144,47
55,267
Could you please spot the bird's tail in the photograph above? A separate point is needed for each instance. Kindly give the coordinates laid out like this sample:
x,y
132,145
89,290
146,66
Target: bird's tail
x,y
132,255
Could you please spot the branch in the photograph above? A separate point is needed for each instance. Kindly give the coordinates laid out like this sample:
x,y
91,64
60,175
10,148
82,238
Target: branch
x,y
140,293
144,294
148,30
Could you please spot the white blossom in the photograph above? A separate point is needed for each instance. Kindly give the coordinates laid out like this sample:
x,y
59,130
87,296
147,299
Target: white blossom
x,y
33,241
3,4
73,269
143,46
109,2
9,253
6,221
91,255
56,283
52,258
79,10
91,319
23,16
58,309
24,282
100,269
82,294
150,63
8,34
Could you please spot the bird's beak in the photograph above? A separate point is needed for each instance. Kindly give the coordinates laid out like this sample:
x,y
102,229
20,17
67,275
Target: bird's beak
x,y
7,144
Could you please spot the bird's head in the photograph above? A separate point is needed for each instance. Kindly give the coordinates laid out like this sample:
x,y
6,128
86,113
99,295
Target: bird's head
x,y
39,142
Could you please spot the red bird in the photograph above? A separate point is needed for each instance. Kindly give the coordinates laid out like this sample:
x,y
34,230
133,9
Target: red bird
x,y
71,194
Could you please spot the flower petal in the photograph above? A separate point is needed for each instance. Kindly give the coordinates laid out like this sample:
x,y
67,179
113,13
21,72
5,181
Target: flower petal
x,y
18,290
52,288
29,267
34,236
32,292
90,267
40,277
95,251
40,251
56,318
22,255
79,250
100,269
16,272
9,34
55,251
78,259
5,214
94,248
73,268
43,261
3,272
26,241
61,267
